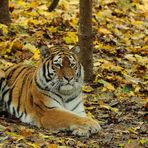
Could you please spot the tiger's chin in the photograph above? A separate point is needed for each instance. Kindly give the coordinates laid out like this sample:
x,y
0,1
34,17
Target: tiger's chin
x,y
66,89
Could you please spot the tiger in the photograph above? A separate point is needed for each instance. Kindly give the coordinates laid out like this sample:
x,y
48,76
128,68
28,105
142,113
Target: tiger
x,y
49,95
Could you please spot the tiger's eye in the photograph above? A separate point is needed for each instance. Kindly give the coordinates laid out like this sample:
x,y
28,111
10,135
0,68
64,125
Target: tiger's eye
x,y
72,64
51,74
58,64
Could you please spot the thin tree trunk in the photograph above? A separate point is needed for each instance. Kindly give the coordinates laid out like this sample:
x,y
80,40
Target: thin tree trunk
x,y
53,5
85,38
4,12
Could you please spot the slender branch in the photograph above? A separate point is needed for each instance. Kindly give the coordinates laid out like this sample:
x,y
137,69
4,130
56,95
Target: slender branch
x,y
53,5
85,38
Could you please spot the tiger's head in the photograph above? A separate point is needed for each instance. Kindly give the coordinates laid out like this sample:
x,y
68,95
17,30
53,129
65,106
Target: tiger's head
x,y
60,71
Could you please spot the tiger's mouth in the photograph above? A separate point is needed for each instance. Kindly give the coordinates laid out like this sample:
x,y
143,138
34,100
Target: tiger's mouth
x,y
66,89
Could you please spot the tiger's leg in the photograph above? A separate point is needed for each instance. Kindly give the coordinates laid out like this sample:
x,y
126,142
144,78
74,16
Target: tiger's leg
x,y
61,119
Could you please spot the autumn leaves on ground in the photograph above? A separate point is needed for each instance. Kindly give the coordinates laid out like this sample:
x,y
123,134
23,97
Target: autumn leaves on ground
x,y
118,96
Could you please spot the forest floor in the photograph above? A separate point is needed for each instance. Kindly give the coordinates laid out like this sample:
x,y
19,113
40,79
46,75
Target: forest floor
x,y
118,97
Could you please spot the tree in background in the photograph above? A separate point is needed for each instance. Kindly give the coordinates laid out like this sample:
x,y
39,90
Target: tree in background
x,y
4,12
85,38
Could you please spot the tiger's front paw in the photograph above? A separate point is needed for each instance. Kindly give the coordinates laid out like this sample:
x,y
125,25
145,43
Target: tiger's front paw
x,y
87,127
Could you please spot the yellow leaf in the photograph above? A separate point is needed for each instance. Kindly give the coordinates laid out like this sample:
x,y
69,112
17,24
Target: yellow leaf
x,y
13,134
145,46
89,108
52,29
98,45
107,85
33,49
44,136
21,3
34,4
117,32
38,34
113,109
136,1
110,66
30,47
130,57
89,114
4,28
104,89
87,89
136,22
74,23
64,5
132,130
34,145
142,141
3,46
2,128
25,131
104,31
33,21
127,41
36,55
103,14
137,36
70,38
52,146
141,60
144,8
17,44
97,64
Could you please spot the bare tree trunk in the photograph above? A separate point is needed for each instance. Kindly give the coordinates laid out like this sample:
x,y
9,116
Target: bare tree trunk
x,y
4,12
85,38
53,5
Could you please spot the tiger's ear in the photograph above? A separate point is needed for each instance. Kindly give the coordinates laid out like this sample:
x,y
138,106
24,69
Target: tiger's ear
x,y
44,51
76,49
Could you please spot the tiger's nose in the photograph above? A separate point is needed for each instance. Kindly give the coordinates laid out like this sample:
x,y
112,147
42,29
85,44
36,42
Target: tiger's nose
x,y
68,78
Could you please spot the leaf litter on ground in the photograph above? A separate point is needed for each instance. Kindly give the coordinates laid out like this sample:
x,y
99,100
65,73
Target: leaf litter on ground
x,y
118,96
